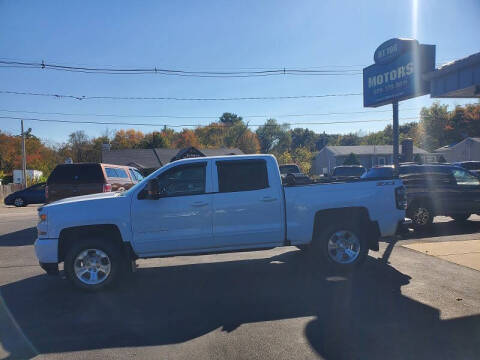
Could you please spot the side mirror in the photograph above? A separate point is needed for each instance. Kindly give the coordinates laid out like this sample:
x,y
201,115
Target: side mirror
x,y
153,192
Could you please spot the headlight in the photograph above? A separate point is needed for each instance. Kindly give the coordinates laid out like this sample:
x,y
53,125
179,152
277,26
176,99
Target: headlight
x,y
43,217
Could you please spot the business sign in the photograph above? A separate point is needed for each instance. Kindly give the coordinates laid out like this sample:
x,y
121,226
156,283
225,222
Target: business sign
x,y
397,72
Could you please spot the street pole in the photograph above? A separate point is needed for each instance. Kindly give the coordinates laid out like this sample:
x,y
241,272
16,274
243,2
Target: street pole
x,y
395,137
24,158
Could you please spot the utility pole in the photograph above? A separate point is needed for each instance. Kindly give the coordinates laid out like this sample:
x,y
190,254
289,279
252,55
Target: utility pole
x,y
395,137
24,158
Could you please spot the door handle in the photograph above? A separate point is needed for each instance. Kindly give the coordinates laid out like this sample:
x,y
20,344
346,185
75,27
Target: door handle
x,y
199,203
268,198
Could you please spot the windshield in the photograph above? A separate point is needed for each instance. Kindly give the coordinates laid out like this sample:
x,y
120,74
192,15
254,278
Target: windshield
x,y
378,173
289,169
348,171
471,165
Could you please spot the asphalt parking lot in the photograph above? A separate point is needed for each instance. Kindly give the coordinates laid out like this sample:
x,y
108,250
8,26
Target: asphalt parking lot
x,y
404,304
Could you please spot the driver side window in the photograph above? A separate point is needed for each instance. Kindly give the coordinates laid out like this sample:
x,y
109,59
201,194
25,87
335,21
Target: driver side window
x,y
464,178
183,180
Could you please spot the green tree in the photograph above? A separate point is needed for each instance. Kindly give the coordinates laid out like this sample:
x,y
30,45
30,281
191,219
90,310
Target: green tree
x,y
154,139
418,159
274,137
348,140
431,130
351,159
441,159
304,138
230,118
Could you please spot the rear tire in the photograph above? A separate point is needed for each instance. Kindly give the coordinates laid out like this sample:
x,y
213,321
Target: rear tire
x,y
93,264
341,246
460,217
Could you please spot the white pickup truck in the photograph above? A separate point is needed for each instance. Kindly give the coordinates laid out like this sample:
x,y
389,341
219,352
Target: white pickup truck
x,y
215,204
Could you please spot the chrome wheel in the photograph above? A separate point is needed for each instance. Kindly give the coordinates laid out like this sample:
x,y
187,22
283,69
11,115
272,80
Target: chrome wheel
x,y
421,216
92,266
19,202
343,247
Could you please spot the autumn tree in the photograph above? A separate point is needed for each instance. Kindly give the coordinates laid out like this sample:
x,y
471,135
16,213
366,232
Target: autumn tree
x,y
127,139
187,138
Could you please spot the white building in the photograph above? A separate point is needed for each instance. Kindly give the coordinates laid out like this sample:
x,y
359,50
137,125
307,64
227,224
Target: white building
x,y
31,175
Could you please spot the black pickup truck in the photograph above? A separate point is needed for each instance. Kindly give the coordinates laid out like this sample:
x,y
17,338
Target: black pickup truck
x,y
435,190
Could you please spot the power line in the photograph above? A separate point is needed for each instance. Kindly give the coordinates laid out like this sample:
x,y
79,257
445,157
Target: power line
x,y
177,72
197,117
83,97
194,125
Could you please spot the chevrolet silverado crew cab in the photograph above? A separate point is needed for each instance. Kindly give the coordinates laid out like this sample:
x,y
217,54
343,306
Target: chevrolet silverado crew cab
x,y
211,205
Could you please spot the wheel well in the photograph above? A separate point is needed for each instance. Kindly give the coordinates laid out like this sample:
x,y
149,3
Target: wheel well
x,y
418,201
69,235
356,215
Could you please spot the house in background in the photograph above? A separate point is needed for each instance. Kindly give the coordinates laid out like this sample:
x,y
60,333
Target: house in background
x,y
148,160
466,150
368,155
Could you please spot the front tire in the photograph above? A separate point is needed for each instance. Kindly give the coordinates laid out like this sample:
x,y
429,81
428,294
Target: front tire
x,y
19,202
421,215
93,264
341,246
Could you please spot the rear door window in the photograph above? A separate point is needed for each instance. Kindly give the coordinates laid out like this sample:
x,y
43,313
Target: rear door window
x,y
244,175
111,172
121,173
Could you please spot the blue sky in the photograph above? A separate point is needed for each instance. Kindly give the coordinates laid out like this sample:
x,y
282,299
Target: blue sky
x,y
215,35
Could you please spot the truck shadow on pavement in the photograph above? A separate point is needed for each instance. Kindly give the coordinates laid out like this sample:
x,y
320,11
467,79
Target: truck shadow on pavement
x,y
364,316
19,238
447,228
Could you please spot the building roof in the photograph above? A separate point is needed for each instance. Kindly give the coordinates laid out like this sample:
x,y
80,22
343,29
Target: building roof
x,y
453,66
369,150
144,158
452,146
155,158
165,155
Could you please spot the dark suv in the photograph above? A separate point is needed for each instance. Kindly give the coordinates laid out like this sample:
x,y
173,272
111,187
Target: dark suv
x,y
435,190
69,180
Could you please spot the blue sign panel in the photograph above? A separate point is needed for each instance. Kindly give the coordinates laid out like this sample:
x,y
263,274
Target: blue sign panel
x,y
397,72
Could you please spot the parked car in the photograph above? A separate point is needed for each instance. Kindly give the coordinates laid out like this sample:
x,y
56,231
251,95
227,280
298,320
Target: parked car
x,y
171,213
292,175
472,166
68,180
435,190
34,194
345,172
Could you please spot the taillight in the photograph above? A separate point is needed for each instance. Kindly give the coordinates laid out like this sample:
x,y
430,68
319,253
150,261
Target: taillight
x,y
46,192
107,187
401,197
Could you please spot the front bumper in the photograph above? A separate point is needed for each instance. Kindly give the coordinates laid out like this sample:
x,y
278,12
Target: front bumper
x,y
403,226
47,250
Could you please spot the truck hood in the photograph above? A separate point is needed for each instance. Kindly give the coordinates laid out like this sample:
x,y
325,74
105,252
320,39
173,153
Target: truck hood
x,y
82,198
